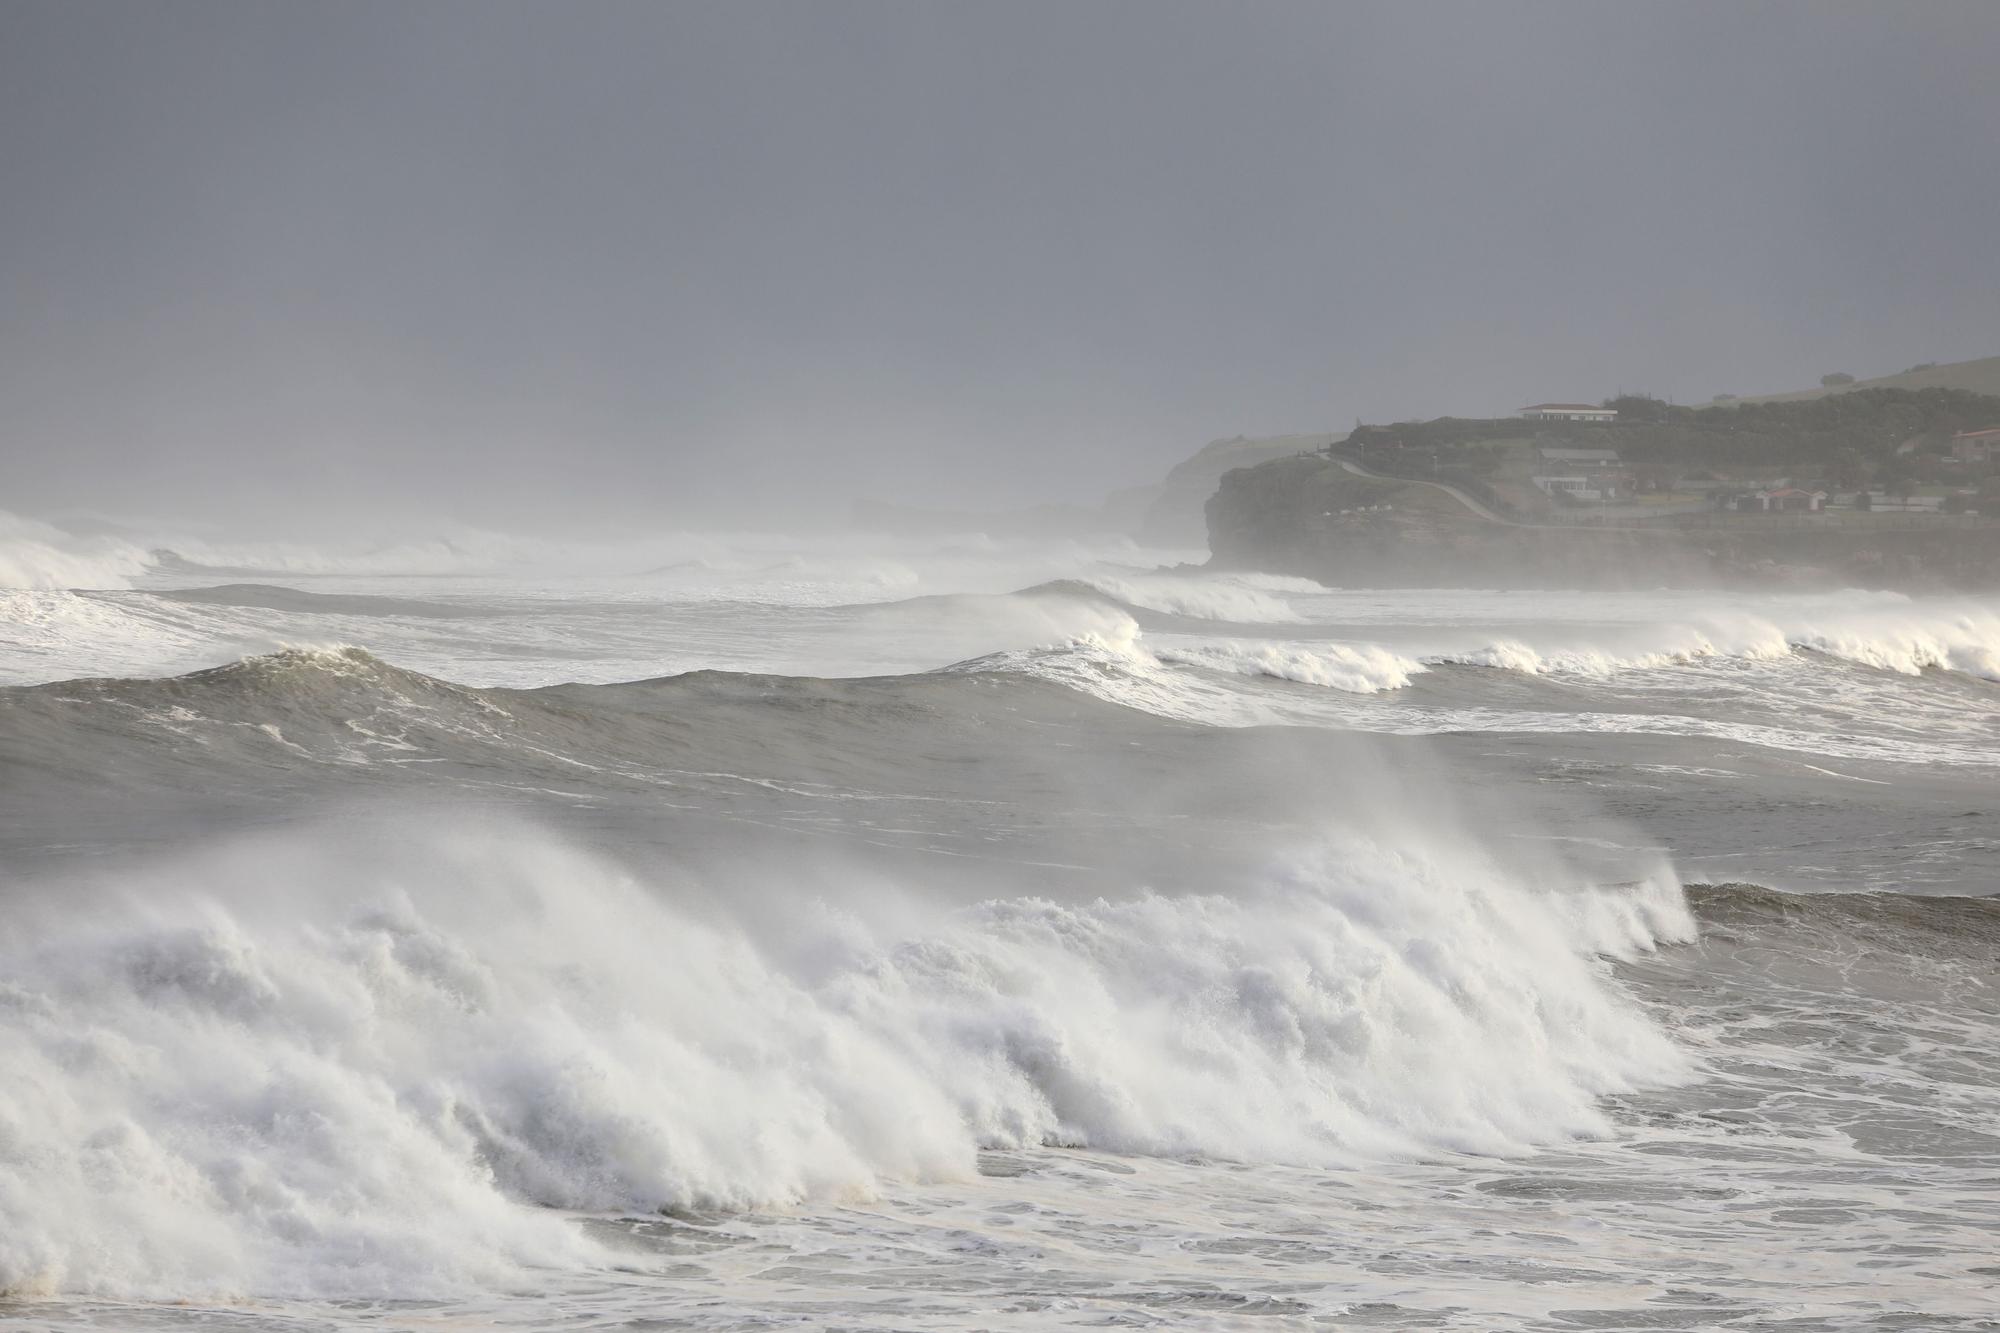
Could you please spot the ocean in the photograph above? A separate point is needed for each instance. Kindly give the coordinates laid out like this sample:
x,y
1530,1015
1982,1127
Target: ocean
x,y
734,931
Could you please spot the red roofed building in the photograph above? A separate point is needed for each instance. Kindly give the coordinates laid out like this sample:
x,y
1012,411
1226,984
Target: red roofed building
x,y
1975,446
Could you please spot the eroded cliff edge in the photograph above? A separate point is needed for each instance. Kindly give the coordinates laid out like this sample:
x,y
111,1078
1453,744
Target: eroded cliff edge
x,y
1310,515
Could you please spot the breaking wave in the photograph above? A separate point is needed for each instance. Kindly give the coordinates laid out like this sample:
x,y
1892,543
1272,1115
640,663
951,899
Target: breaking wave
x,y
1128,664
1250,599
1907,640
1902,637
1365,668
35,555
293,1067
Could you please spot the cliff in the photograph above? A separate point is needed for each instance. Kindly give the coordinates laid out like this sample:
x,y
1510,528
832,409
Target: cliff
x,y
1175,514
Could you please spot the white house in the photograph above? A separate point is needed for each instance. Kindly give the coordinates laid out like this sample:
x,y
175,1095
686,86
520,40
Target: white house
x,y
1578,488
1780,497
1569,460
1569,412
1905,504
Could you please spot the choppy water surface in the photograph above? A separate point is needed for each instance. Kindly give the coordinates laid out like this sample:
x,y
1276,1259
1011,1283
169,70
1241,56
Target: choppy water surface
x,y
988,936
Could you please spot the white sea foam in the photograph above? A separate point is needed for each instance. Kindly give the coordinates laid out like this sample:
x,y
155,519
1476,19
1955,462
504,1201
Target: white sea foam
x,y
291,1069
1896,635
1901,637
1892,634
1148,673
1589,634
1239,598
53,635
1121,663
1365,668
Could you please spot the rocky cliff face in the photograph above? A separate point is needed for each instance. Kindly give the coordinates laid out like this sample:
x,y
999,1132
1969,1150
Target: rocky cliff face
x,y
1175,516
1308,516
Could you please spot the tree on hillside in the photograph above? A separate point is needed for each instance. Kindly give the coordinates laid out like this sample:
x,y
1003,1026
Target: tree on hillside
x,y
1651,478
1848,470
1896,477
1639,407
1837,378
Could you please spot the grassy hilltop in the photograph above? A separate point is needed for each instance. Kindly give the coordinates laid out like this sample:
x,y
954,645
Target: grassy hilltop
x,y
1886,440
1456,500
1981,376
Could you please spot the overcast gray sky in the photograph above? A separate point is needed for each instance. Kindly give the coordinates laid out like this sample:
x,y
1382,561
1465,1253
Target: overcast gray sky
x,y
493,258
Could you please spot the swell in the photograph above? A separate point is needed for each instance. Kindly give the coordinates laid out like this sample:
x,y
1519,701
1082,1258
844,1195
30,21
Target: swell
x,y
84,761
322,701
273,597
1935,926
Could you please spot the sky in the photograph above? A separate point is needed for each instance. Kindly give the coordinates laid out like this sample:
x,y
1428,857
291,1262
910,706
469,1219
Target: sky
x,y
582,262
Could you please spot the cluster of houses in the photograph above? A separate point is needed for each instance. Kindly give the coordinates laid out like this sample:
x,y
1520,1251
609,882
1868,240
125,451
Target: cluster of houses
x,y
1594,476
1599,476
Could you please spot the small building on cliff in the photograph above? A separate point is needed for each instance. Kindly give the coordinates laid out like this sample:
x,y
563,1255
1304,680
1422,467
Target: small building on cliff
x,y
1569,412
1593,489
1776,500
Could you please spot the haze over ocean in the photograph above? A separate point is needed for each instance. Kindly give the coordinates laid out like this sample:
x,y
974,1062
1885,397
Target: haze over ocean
x,y
491,833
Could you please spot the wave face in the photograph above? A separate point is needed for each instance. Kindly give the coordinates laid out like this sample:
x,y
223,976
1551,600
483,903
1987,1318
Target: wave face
x,y
292,1069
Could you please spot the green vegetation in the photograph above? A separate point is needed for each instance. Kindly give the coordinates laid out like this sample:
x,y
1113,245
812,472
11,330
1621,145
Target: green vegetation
x,y
1844,441
1669,508
1980,376
1464,453
1847,433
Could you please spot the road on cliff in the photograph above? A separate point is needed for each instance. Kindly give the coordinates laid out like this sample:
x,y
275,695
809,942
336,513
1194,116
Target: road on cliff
x,y
1446,487
1480,509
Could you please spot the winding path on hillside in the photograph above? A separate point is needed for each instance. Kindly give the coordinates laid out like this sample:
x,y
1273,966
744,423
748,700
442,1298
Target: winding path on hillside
x,y
1487,514
1446,487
